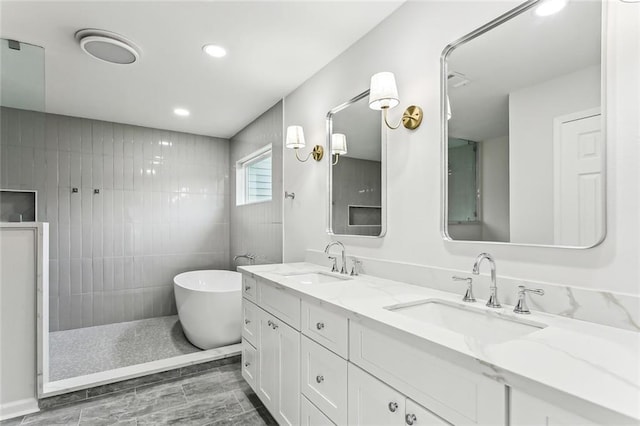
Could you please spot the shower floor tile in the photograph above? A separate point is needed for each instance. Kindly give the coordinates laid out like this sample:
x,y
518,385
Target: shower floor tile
x,y
89,350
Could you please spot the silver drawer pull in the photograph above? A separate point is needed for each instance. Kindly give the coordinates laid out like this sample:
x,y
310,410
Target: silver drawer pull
x,y
410,419
247,321
274,325
393,406
319,379
246,288
320,325
246,364
270,323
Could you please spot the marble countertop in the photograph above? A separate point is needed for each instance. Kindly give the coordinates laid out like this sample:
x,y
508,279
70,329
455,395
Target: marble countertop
x,y
592,362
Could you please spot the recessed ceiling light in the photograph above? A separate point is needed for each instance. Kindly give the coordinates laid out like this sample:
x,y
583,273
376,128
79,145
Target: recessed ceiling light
x,y
549,7
214,50
181,112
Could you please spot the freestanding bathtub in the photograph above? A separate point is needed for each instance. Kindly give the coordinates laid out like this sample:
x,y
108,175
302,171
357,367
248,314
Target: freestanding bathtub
x,y
209,307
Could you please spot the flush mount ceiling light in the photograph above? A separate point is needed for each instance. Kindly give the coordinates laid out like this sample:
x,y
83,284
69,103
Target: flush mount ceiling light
x,y
182,112
214,50
549,7
107,46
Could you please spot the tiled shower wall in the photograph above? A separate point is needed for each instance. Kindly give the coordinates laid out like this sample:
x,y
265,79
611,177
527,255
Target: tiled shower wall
x,y
257,228
161,208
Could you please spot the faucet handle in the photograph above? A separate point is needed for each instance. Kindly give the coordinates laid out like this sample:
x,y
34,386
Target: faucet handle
x,y
356,267
334,266
468,296
521,307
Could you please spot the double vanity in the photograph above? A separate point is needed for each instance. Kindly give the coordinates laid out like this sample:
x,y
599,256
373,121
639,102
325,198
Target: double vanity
x,y
323,348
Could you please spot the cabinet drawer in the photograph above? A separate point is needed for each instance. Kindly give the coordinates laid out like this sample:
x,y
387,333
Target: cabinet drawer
x,y
280,303
324,380
452,392
249,363
373,403
326,327
420,416
311,416
249,288
250,322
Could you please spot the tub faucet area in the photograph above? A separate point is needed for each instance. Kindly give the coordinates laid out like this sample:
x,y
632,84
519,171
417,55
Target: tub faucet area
x,y
250,257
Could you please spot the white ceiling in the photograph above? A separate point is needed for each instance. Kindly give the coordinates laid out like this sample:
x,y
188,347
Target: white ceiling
x,y
273,47
522,52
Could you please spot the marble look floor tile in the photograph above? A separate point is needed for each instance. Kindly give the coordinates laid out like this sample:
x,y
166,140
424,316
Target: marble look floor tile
x,y
64,399
248,399
58,416
11,422
259,417
201,412
141,403
133,383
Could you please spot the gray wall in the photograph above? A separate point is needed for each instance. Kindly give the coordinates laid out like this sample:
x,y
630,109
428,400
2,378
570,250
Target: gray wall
x,y
355,182
162,209
257,228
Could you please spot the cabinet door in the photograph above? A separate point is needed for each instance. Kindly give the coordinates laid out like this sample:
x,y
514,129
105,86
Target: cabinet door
x,y
249,365
267,359
528,410
288,373
416,415
371,402
311,416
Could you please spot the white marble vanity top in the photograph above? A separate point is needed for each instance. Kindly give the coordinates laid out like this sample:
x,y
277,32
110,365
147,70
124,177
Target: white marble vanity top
x,y
592,362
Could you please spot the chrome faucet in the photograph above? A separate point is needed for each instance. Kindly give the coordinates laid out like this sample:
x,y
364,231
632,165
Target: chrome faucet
x,y
250,257
343,270
493,301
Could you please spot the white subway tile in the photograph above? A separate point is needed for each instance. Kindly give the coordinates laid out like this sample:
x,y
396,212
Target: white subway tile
x,y
75,167
75,134
87,310
87,137
87,275
98,309
76,276
75,241
98,274
97,171
108,274
86,171
107,172
107,138
51,133
118,140
27,168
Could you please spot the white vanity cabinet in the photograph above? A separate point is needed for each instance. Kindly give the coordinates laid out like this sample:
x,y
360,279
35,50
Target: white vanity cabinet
x,y
372,402
271,348
529,410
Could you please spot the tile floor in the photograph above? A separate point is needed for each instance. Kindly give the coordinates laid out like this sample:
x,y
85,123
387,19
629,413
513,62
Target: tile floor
x,y
89,350
217,397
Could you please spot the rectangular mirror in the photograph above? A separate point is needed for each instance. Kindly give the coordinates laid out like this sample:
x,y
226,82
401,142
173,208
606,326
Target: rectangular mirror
x,y
523,134
357,175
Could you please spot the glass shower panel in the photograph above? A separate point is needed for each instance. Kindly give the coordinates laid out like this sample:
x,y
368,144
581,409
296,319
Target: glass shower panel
x,y
463,181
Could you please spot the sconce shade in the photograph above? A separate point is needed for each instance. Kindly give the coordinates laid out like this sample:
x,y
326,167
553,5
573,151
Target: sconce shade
x,y
448,108
295,137
383,91
338,144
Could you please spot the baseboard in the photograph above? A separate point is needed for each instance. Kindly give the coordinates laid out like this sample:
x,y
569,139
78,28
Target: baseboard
x,y
18,408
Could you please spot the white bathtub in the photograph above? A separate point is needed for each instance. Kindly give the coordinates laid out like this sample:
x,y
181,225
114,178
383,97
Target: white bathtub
x,y
209,307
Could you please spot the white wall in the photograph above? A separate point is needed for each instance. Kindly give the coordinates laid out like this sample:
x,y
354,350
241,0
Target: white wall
x,y
409,43
531,114
494,181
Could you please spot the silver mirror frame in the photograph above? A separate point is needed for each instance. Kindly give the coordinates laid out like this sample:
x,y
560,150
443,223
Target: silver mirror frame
x,y
444,128
383,171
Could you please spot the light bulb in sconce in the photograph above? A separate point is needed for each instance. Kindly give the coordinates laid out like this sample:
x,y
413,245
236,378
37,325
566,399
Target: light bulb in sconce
x,y
338,146
295,140
383,95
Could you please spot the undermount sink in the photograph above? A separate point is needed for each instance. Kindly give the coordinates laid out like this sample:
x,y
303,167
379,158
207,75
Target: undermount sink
x,y
480,324
315,278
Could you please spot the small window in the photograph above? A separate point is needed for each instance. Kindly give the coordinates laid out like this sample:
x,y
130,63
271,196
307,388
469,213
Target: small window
x,y
253,177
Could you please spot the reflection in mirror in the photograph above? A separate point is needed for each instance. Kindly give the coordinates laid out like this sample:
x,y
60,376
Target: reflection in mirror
x,y
357,169
525,149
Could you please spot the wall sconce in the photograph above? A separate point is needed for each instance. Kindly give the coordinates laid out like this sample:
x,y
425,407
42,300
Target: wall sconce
x,y
295,140
338,146
383,95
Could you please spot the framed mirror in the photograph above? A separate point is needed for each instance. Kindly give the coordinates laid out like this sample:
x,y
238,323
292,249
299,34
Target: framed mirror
x,y
357,170
523,149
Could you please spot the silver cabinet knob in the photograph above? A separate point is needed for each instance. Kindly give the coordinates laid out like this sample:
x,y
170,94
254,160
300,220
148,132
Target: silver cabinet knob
x,y
246,288
246,364
247,321
410,419
393,406
319,379
270,323
320,325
